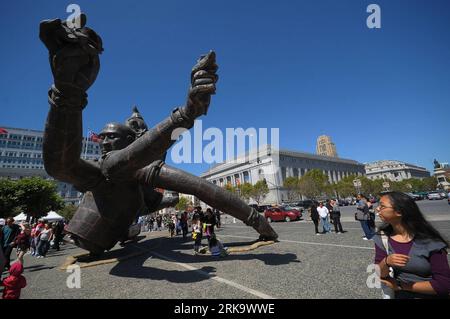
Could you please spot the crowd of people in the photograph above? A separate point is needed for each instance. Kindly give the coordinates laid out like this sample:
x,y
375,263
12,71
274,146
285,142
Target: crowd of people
x,y
410,252
35,239
328,213
325,215
202,226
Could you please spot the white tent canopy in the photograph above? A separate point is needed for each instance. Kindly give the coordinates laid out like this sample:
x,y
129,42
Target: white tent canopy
x,y
52,216
20,218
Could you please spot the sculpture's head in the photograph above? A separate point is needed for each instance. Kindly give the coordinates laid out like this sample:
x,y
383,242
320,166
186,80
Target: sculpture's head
x,y
116,136
136,123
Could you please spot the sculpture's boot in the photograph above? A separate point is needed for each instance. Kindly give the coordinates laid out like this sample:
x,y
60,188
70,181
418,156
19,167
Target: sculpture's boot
x,y
215,196
260,224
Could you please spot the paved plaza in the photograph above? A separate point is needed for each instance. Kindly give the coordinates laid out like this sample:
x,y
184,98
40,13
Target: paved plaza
x,y
300,266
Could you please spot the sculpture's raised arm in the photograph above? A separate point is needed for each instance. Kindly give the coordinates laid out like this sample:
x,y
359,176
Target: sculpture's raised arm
x,y
74,61
156,141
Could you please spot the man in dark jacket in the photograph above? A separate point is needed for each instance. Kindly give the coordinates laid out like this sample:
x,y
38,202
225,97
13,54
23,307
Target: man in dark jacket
x,y
330,209
335,214
2,257
315,217
9,232
59,234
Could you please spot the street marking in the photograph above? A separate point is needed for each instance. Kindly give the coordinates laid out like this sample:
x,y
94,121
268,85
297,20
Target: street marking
x,y
216,278
305,242
245,226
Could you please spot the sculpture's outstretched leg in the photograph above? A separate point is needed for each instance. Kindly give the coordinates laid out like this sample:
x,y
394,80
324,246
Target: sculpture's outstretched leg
x,y
183,182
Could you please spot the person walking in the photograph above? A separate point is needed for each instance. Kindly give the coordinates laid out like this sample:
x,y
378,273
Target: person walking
x,y
58,234
184,221
217,215
197,233
330,209
323,213
315,217
159,222
9,234
410,246
35,233
151,225
209,223
23,241
171,223
336,217
44,241
364,218
2,256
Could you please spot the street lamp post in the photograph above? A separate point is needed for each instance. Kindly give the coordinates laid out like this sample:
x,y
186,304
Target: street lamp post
x,y
357,184
277,190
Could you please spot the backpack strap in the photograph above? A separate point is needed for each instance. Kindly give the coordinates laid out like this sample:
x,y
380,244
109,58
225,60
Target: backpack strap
x,y
385,240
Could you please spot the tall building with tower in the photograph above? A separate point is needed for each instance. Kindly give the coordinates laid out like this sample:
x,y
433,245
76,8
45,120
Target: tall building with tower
x,y
325,147
275,166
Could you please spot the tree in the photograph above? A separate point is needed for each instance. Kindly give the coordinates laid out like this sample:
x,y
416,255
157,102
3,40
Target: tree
x,y
182,204
345,186
429,183
371,187
230,188
36,196
259,191
291,185
313,184
245,191
68,211
8,198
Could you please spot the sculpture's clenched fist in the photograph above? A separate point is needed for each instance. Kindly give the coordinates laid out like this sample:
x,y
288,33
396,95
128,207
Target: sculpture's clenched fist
x,y
203,85
73,54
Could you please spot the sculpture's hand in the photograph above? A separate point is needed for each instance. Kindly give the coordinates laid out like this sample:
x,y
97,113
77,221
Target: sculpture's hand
x,y
73,54
203,85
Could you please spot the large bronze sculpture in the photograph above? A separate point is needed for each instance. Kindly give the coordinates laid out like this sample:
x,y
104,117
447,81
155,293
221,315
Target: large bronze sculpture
x,y
121,185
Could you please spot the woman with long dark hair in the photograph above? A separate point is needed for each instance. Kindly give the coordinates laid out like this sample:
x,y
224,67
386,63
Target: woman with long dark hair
x,y
410,246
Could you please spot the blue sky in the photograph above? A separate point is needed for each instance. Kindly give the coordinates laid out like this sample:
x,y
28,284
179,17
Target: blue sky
x,y
306,67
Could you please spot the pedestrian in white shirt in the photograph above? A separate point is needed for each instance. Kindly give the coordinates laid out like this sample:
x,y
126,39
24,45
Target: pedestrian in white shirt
x,y
323,213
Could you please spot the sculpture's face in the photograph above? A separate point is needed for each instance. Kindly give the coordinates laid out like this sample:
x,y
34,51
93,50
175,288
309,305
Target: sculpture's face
x,y
114,137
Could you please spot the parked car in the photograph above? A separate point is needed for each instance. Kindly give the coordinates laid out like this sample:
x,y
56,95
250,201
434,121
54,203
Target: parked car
x,y
434,196
282,213
294,206
351,200
307,203
422,195
260,208
414,196
343,202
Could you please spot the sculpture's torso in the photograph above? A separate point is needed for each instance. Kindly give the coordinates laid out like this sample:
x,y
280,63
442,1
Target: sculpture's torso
x,y
105,213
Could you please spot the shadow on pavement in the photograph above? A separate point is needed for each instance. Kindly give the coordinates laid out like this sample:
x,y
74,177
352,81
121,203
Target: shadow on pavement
x,y
38,268
134,268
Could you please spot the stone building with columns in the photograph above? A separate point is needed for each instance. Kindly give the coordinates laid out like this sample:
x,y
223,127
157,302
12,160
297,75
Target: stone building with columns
x,y
275,166
395,171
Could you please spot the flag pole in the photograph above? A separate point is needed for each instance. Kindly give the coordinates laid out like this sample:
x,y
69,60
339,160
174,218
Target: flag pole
x,y
86,144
